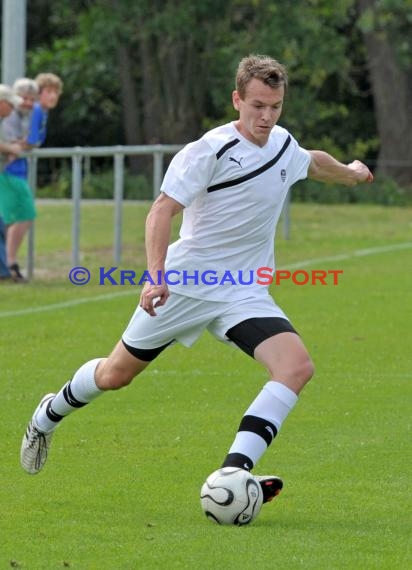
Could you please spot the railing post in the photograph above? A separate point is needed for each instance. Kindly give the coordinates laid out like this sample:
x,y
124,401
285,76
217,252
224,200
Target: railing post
x,y
157,172
118,204
80,156
76,198
32,160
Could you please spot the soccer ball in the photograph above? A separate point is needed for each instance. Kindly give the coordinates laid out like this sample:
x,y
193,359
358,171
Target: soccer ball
x,y
231,496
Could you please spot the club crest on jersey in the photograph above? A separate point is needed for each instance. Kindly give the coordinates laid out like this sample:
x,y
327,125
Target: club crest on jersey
x,y
283,174
238,162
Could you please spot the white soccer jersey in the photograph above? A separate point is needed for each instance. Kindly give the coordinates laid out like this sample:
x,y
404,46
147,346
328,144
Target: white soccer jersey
x,y
233,192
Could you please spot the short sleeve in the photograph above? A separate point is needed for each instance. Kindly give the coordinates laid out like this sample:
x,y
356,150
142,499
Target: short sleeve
x,y
11,127
190,172
37,130
300,161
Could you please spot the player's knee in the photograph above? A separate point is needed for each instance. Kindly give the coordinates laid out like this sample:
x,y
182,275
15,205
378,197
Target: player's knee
x,y
302,370
299,371
109,377
118,379
305,370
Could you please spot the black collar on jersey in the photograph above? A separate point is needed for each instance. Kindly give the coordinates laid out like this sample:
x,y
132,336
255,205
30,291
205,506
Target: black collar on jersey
x,y
226,147
252,174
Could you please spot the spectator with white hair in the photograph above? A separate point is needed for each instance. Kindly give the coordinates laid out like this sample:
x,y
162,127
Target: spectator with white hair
x,y
16,200
8,101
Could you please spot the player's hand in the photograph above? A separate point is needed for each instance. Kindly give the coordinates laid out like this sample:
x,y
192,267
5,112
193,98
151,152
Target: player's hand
x,y
153,296
363,174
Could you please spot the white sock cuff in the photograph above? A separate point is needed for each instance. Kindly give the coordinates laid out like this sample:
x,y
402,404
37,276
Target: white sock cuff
x,y
282,393
83,384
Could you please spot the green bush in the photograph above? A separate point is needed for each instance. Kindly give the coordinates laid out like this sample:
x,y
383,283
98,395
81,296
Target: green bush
x,y
98,186
101,186
383,191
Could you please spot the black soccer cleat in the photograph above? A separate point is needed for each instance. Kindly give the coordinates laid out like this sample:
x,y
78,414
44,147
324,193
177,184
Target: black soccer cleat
x,y
271,486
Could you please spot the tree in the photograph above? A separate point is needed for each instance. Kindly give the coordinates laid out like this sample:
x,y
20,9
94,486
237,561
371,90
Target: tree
x,y
161,71
386,27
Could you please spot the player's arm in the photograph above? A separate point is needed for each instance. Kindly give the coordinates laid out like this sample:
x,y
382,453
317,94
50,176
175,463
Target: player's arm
x,y
325,168
158,231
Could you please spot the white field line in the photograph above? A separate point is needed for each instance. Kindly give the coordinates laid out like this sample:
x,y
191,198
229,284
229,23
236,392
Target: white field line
x,y
351,255
65,304
297,265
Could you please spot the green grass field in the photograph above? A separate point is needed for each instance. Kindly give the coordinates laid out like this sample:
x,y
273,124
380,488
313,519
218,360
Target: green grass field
x,y
121,488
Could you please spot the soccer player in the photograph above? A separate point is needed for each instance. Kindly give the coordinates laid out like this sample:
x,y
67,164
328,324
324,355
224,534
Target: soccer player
x,y
230,185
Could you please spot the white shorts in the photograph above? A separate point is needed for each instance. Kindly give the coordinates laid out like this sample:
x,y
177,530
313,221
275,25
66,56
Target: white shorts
x,y
183,319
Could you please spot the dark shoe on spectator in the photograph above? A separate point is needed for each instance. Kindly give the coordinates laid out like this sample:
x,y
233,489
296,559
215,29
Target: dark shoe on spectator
x,y
15,273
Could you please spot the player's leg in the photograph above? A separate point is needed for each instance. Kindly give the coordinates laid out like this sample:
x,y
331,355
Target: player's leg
x,y
181,319
90,381
289,365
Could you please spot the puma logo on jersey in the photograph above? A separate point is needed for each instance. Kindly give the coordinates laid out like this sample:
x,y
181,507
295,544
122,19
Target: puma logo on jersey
x,y
237,161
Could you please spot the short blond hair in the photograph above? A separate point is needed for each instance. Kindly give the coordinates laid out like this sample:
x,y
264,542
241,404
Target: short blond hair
x,y
49,80
261,67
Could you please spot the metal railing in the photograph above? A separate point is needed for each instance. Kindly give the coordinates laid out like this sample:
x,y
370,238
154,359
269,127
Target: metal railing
x,y
77,154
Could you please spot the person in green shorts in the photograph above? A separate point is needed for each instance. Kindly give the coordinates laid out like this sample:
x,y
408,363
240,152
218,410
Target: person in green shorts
x,y
16,197
7,102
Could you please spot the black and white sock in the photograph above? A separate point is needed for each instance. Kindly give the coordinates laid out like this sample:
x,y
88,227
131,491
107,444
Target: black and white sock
x,y
75,394
260,424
